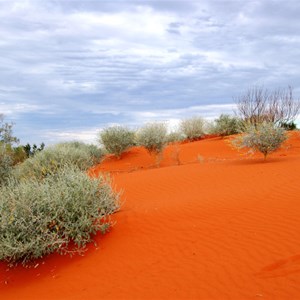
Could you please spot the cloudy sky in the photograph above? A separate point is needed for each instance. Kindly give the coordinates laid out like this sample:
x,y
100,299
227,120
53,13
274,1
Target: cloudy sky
x,y
69,68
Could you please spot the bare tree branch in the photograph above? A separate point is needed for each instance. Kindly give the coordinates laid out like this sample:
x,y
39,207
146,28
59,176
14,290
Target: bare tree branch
x,y
259,104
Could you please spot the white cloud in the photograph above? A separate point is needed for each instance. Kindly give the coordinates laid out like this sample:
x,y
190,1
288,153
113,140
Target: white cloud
x,y
175,115
13,109
86,136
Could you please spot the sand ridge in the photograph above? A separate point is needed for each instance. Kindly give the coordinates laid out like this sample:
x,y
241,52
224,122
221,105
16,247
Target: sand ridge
x,y
209,223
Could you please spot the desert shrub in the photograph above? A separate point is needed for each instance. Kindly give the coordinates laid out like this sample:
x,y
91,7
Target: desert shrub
x,y
152,136
18,155
264,137
227,125
193,128
53,158
95,153
174,137
57,214
209,127
117,139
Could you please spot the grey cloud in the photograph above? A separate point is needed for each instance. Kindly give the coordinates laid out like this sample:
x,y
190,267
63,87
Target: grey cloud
x,y
91,63
173,31
180,7
175,24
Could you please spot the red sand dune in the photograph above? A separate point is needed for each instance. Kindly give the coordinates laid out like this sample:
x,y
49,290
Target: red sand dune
x,y
210,223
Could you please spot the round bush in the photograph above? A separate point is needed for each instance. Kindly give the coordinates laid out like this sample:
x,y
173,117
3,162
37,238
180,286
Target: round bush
x,y
265,138
41,217
117,139
193,128
153,137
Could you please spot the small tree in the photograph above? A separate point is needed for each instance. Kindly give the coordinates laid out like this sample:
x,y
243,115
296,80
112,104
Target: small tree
x,y
6,153
153,137
6,135
117,139
6,164
31,151
259,105
192,128
265,138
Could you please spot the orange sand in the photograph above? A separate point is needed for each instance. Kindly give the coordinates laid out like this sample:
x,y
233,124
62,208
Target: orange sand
x,y
210,223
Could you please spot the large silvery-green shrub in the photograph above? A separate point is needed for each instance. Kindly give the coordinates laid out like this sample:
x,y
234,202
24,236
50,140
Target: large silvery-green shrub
x,y
193,128
51,159
51,215
117,139
265,138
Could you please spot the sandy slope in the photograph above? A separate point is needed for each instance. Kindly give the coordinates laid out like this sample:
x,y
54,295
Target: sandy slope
x,y
216,226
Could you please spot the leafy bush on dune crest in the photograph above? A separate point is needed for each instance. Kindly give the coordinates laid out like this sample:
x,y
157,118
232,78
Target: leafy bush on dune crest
x,y
227,125
174,137
153,136
193,128
41,217
265,138
117,139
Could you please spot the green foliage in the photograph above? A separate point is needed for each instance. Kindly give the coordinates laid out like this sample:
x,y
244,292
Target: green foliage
x,y
264,137
18,155
53,158
153,137
31,151
227,125
288,125
193,128
57,214
117,139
